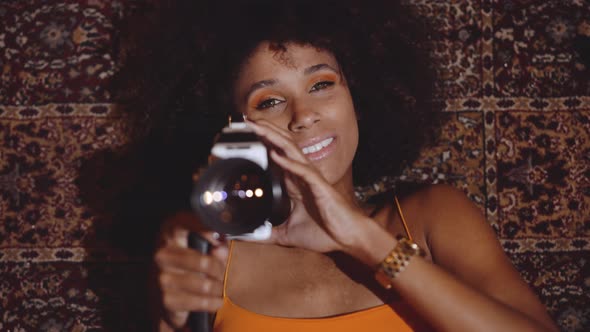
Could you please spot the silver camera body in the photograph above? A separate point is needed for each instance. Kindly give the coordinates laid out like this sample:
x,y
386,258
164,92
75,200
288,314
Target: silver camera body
x,y
241,193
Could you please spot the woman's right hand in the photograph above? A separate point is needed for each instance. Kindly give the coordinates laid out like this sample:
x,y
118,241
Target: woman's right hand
x,y
188,280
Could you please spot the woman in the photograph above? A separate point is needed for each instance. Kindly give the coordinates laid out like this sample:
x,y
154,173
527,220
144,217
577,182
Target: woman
x,y
306,76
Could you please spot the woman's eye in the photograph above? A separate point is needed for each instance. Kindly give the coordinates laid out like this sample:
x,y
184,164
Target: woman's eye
x,y
321,85
268,103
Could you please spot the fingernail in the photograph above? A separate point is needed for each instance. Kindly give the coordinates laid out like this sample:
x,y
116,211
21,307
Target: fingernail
x,y
221,252
252,125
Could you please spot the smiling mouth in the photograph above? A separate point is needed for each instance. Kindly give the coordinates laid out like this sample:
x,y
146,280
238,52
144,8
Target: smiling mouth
x,y
318,146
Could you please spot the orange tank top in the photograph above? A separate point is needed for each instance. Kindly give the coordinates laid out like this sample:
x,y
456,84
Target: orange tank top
x,y
233,318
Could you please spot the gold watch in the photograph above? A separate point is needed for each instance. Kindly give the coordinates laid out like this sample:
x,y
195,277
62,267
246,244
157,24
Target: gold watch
x,y
397,260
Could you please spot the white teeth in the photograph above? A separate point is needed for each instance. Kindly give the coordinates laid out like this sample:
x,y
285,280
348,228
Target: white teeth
x,y
317,147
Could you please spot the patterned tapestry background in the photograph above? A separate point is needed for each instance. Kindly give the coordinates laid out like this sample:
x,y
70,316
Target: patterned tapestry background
x,y
514,78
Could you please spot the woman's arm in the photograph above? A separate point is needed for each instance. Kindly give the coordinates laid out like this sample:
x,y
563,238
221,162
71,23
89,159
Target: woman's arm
x,y
472,286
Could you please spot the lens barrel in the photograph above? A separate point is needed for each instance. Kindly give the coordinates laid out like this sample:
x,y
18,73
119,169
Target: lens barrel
x,y
234,196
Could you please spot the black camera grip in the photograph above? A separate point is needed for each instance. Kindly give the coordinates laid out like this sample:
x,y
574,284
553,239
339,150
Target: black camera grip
x,y
198,321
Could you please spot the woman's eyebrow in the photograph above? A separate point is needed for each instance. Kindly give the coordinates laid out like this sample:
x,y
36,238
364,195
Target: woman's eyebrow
x,y
318,67
259,85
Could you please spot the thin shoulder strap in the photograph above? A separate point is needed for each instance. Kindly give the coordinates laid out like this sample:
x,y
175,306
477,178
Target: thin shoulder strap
x,y
231,246
401,215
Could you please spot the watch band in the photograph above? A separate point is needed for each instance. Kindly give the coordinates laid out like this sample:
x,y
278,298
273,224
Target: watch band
x,y
396,261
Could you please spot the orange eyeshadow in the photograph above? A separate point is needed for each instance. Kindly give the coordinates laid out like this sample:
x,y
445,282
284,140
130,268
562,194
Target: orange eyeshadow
x,y
325,77
260,96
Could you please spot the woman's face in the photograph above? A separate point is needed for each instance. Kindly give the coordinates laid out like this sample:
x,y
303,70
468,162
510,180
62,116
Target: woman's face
x,y
302,90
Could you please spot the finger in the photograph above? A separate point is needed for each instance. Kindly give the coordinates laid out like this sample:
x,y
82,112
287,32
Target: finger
x,y
301,170
284,143
215,239
278,236
294,184
187,260
264,123
176,301
191,283
174,319
294,233
175,230
220,252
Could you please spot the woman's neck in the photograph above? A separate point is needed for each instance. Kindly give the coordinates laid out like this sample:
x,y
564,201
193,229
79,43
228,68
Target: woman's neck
x,y
345,186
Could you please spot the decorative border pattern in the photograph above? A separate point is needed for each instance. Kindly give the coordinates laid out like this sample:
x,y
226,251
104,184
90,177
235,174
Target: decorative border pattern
x,y
518,104
58,110
529,245
65,254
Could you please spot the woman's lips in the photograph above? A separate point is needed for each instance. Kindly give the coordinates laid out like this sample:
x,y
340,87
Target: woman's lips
x,y
320,149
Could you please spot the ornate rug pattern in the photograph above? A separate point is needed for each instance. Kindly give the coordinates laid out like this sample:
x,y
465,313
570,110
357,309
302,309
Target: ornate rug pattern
x,y
514,77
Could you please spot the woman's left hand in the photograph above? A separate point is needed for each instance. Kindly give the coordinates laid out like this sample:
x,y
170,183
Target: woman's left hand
x,y
322,219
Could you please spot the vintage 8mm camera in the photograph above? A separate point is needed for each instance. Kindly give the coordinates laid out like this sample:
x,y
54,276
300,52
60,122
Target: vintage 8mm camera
x,y
241,193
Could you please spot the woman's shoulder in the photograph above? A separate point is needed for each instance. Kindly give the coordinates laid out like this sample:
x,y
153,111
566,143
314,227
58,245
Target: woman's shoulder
x,y
447,222
438,196
431,213
434,201
432,196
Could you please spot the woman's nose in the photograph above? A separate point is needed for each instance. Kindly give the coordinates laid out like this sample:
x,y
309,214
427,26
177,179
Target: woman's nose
x,y
303,117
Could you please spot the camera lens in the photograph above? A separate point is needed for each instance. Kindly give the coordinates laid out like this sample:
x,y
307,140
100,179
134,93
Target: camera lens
x,y
233,196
